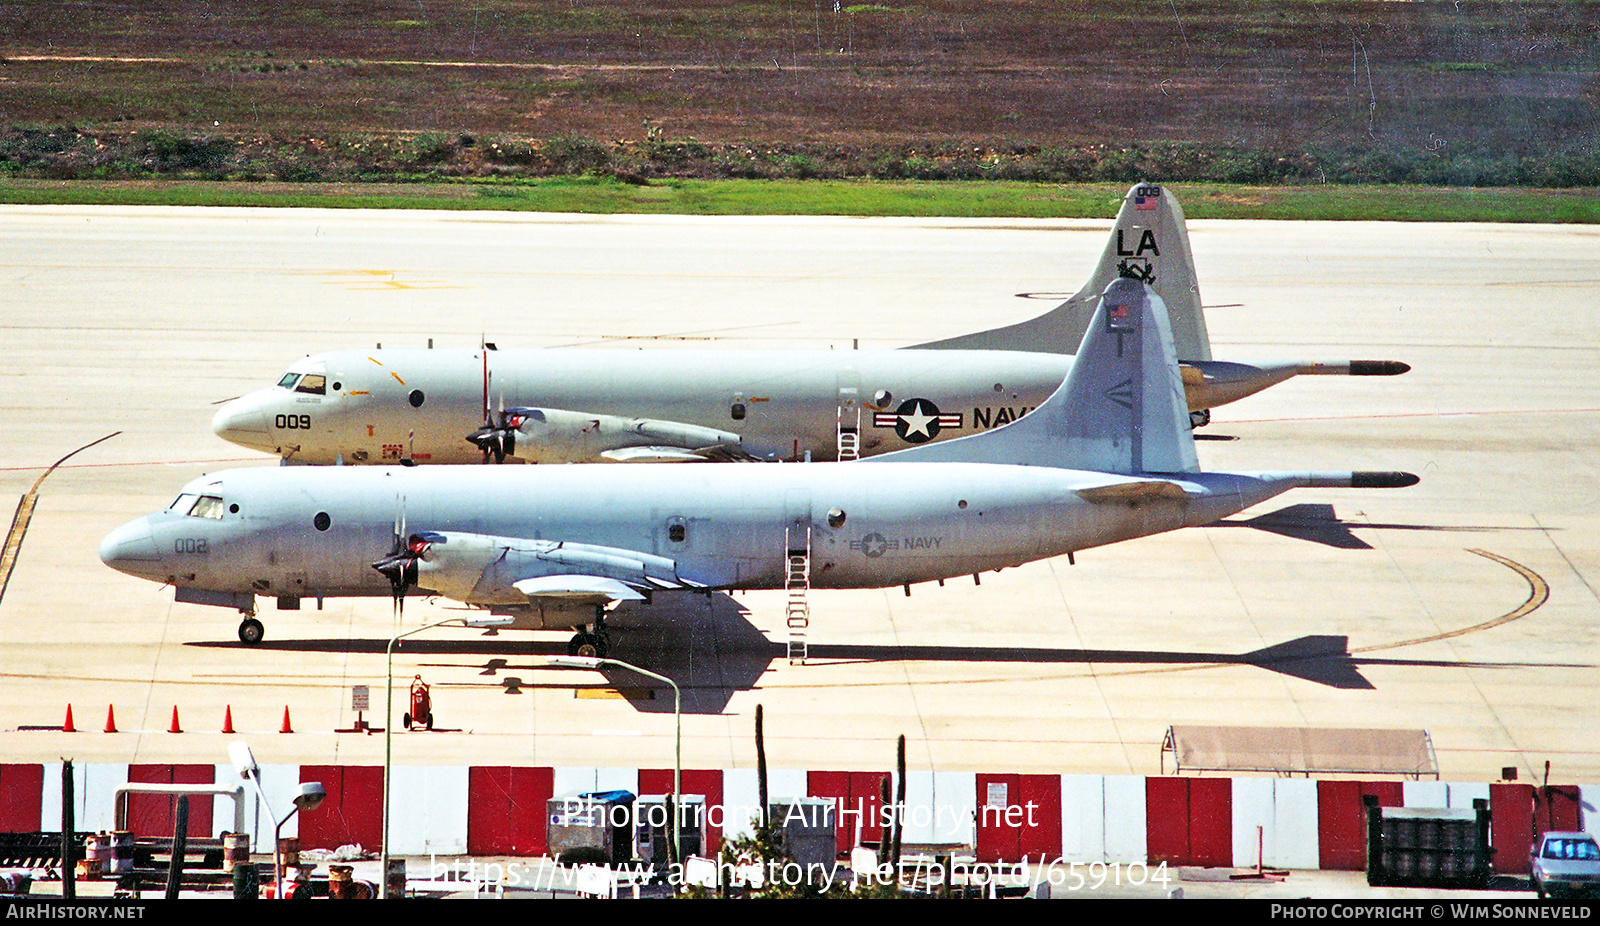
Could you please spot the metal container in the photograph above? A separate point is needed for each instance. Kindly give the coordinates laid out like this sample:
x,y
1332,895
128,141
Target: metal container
x,y
650,842
804,828
1428,846
596,828
235,850
96,855
122,849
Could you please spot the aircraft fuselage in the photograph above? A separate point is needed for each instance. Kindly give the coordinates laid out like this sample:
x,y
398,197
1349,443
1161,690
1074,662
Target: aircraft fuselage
x,y
385,406
306,532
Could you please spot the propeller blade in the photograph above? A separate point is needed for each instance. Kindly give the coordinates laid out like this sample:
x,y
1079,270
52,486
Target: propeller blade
x,y
400,565
497,436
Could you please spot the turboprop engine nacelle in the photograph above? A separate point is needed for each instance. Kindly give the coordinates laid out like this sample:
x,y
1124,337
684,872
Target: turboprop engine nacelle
x,y
506,571
554,435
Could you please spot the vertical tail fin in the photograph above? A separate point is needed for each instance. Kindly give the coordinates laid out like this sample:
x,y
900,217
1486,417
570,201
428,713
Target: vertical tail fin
x,y
1121,408
1150,242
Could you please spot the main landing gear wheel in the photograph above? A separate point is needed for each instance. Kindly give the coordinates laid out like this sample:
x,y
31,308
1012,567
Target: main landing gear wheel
x,y
251,631
592,645
591,641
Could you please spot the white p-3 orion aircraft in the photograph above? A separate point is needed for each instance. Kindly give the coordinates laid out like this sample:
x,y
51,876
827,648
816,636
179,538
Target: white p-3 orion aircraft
x,y
1108,456
594,406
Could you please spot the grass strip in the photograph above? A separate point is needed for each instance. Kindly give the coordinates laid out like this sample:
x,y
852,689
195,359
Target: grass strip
x,y
606,195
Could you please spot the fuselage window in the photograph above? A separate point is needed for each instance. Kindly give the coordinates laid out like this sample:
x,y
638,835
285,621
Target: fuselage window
x,y
208,506
313,383
288,380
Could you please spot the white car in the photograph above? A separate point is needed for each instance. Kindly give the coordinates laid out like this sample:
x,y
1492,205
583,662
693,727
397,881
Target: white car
x,y
1565,863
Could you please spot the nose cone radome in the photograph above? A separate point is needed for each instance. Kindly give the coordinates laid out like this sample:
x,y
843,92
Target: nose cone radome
x,y
131,548
244,421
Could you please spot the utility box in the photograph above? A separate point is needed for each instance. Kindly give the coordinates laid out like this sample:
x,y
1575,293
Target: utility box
x,y
650,843
1428,846
594,828
804,827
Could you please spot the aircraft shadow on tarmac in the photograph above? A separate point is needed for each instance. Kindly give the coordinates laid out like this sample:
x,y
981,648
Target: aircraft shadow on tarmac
x,y
1319,523
707,644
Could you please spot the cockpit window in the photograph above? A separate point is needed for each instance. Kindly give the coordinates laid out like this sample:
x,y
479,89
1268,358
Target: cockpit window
x,y
209,506
205,506
288,380
183,503
313,383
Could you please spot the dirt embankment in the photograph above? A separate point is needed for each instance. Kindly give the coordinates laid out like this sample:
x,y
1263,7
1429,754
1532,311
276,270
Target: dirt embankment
x,y
1228,90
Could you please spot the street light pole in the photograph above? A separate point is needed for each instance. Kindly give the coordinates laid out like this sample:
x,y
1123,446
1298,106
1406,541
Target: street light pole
x,y
388,721
592,662
309,798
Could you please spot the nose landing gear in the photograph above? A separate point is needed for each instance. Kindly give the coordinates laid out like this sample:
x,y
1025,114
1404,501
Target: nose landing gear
x,y
250,630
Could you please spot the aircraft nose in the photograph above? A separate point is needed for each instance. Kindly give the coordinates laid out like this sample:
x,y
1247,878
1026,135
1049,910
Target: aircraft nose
x,y
244,421
131,548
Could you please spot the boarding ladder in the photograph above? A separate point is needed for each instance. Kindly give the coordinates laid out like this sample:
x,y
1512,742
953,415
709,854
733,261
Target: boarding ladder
x,y
849,434
797,580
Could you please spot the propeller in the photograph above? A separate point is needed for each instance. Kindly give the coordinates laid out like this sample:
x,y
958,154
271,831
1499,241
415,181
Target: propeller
x,y
400,566
497,436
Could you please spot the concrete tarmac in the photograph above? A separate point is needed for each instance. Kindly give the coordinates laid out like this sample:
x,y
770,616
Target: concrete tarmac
x,y
1465,606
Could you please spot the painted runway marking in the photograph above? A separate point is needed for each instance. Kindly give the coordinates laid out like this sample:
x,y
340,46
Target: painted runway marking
x,y
19,521
1435,414
1538,594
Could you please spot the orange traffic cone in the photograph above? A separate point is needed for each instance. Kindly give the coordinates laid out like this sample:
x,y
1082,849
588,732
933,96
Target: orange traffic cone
x,y
286,728
67,726
227,719
174,728
111,719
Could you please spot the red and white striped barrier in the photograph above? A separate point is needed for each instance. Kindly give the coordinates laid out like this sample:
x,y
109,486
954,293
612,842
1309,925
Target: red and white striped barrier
x,y
444,810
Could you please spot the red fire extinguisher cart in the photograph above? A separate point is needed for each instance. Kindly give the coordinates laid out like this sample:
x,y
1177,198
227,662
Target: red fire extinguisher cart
x,y
421,706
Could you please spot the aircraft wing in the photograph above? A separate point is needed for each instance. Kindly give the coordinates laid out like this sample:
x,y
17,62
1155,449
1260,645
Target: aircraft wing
x,y
512,571
579,589
717,453
556,435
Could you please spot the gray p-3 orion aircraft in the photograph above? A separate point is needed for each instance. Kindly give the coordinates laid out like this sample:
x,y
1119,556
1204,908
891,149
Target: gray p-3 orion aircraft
x,y
1109,455
585,406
